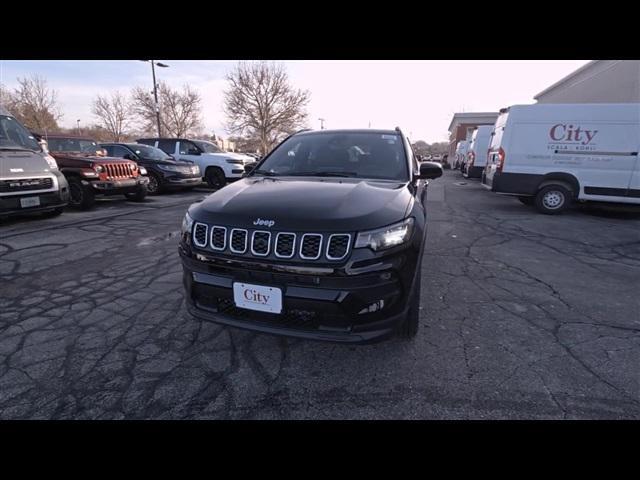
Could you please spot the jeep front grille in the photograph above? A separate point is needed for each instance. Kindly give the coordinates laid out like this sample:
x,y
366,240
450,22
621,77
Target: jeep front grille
x,y
272,245
118,170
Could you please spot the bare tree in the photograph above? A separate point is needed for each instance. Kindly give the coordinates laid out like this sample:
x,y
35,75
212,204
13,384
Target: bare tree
x,y
36,104
7,99
180,111
260,103
113,113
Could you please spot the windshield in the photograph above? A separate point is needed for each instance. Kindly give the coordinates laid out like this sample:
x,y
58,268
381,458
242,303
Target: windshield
x,y
151,153
208,147
73,145
15,136
361,154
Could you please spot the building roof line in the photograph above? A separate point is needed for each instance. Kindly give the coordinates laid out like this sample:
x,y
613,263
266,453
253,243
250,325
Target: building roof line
x,y
568,77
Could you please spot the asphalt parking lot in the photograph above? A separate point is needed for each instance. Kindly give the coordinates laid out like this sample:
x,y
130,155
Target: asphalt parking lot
x,y
523,316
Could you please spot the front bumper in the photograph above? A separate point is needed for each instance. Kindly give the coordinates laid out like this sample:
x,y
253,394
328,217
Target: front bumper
x,y
315,307
10,205
114,187
179,181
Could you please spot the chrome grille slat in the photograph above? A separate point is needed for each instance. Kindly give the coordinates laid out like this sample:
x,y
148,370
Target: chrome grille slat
x,y
282,249
239,236
338,246
200,231
217,242
262,237
314,243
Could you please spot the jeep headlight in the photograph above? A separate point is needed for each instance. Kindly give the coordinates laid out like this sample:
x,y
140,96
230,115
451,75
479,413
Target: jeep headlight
x,y
187,224
386,237
98,168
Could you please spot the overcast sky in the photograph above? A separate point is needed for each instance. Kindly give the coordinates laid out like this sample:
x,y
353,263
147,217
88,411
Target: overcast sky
x,y
419,96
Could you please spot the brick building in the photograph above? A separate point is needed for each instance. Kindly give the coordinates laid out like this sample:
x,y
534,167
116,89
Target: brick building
x,y
462,125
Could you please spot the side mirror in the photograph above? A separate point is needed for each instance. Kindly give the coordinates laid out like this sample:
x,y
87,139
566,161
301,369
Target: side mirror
x,y
248,168
430,170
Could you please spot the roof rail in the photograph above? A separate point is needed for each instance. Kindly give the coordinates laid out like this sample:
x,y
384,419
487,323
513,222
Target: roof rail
x,y
305,130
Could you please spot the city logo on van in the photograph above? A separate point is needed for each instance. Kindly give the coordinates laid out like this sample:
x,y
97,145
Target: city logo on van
x,y
561,132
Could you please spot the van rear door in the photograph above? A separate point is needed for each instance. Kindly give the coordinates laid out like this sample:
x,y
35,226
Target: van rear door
x,y
494,162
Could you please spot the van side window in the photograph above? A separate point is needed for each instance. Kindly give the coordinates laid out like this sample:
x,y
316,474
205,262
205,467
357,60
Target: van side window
x,y
167,146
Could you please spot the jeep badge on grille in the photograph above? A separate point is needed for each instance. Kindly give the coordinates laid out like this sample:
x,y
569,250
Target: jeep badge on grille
x,y
266,223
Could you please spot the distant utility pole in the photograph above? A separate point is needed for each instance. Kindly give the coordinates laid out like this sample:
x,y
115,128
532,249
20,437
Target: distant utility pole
x,y
155,89
322,120
78,124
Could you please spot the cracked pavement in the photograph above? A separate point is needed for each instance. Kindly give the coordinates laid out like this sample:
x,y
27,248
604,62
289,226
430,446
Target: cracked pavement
x,y
523,316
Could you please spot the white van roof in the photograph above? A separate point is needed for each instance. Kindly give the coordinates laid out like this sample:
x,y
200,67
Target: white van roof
x,y
615,112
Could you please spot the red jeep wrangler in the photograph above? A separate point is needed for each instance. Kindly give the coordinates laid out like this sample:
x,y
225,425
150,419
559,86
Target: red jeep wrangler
x,y
90,173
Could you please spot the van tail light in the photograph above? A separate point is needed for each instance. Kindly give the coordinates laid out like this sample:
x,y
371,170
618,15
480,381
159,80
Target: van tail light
x,y
501,157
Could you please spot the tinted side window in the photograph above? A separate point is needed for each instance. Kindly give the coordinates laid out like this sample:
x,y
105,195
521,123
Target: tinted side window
x,y
167,146
121,151
109,149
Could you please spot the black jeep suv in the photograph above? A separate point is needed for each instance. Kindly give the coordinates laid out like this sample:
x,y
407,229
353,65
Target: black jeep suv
x,y
323,239
164,172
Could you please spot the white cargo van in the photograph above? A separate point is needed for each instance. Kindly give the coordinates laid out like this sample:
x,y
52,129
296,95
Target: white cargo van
x,y
477,152
461,151
549,155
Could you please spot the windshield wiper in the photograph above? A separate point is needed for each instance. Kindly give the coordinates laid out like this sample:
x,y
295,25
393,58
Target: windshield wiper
x,y
324,174
266,173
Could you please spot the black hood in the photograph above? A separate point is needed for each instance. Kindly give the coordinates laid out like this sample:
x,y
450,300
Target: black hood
x,y
309,205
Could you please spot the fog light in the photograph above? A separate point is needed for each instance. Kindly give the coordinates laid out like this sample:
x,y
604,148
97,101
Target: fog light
x,y
374,307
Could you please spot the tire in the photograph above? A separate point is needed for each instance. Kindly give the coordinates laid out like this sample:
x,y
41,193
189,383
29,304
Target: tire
x,y
529,201
410,326
80,196
154,187
553,199
215,178
139,195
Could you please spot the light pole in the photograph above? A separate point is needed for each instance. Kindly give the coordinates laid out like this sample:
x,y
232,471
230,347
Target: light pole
x,y
78,124
322,120
155,89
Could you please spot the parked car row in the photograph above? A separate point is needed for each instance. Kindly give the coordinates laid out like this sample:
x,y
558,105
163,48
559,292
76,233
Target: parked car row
x,y
550,155
45,173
